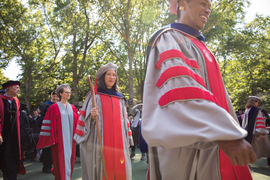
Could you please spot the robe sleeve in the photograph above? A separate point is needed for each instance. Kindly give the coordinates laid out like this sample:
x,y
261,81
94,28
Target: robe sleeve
x,y
127,124
83,124
179,110
260,124
47,133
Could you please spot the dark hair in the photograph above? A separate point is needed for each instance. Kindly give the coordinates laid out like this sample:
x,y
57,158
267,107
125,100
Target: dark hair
x,y
265,113
102,84
251,103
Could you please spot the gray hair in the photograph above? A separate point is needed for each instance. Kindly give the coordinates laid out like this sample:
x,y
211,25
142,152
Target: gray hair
x,y
60,89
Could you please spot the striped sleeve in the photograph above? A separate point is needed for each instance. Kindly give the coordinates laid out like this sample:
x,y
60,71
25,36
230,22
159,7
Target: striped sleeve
x,y
260,124
174,66
47,135
178,101
83,123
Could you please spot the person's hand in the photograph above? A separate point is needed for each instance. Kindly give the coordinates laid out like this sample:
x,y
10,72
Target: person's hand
x,y
94,112
239,151
261,136
1,140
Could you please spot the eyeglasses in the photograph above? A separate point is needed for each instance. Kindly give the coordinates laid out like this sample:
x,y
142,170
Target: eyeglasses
x,y
67,92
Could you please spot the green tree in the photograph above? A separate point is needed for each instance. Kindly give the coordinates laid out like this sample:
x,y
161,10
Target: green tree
x,y
24,38
3,79
247,73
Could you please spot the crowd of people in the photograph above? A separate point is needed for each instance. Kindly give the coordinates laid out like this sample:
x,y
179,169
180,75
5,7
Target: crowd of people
x,y
186,127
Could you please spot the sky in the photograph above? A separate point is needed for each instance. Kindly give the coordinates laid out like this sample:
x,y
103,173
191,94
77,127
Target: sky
x,y
257,6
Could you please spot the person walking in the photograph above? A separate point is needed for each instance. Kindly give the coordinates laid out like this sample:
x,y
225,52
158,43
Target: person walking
x,y
24,129
189,122
46,152
57,131
254,123
10,146
114,128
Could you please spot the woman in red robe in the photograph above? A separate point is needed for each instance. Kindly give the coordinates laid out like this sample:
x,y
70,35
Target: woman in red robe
x,y
114,127
60,121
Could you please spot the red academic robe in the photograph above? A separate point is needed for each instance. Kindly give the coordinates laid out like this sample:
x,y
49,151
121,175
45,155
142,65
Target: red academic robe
x,y
54,138
20,167
227,170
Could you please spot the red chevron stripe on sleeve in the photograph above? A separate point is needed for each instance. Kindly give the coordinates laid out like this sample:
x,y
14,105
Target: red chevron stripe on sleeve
x,y
79,132
186,93
173,53
82,112
81,123
263,127
178,71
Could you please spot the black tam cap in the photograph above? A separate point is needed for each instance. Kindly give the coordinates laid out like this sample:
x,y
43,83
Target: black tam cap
x,y
23,106
10,83
52,93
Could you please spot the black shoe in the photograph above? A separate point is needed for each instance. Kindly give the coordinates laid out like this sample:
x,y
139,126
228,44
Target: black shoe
x,y
47,170
132,155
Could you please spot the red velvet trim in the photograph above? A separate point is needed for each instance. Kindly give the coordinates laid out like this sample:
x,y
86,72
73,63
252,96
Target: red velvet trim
x,y
259,118
128,125
114,152
186,93
47,131
178,71
10,85
174,53
129,133
82,112
227,170
95,88
79,132
257,127
81,123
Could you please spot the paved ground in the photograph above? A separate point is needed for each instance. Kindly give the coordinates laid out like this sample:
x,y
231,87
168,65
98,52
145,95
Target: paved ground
x,y
260,170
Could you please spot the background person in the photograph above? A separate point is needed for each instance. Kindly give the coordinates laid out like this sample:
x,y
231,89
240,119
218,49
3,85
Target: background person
x,y
253,122
10,146
57,131
24,129
46,152
189,122
114,128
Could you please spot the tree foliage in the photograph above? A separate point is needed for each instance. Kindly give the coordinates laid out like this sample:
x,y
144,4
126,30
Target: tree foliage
x,y
247,72
63,41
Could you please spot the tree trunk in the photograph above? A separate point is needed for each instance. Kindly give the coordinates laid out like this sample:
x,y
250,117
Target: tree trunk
x,y
28,88
75,72
130,81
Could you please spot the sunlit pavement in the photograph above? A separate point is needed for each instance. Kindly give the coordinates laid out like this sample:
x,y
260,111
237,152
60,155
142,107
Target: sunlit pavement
x,y
260,170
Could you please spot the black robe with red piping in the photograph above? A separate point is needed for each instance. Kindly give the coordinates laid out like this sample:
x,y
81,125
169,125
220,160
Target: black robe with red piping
x,y
51,135
17,152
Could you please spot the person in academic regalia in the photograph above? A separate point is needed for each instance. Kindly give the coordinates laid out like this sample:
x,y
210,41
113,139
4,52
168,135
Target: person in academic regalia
x,y
10,146
2,92
24,129
46,152
135,127
254,123
114,128
189,122
57,131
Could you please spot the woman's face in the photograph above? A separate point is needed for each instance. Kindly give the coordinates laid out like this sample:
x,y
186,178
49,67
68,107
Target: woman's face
x,y
195,13
256,103
66,94
110,78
